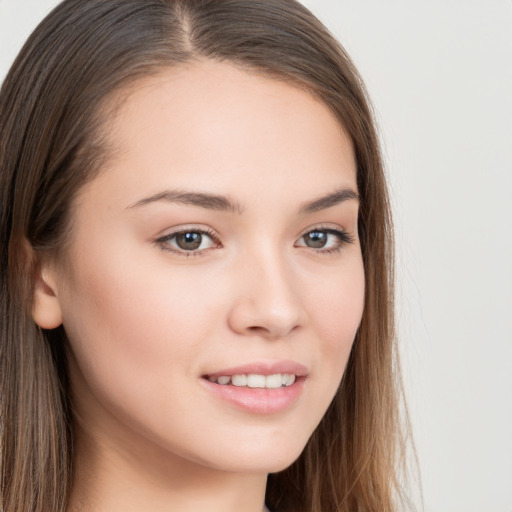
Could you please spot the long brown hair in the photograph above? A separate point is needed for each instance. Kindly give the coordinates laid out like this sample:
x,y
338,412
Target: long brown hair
x,y
51,119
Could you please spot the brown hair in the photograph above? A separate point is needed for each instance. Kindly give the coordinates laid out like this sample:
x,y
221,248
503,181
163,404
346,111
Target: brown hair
x,y
50,145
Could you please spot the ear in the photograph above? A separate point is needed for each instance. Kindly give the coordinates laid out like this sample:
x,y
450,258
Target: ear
x,y
46,310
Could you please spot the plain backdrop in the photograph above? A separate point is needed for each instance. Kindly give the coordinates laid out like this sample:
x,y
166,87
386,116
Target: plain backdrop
x,y
440,76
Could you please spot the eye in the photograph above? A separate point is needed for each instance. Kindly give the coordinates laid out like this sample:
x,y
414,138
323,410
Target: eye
x,y
188,241
326,240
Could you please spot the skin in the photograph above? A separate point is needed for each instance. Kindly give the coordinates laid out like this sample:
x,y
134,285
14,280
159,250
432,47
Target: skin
x,y
145,324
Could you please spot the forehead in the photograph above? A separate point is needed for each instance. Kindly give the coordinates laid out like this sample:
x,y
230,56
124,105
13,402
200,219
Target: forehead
x,y
212,125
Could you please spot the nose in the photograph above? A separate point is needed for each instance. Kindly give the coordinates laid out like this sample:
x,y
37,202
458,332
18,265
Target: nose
x,y
267,302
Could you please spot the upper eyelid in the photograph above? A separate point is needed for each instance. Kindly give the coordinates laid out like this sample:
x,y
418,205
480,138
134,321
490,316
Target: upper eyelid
x,y
348,237
170,232
325,227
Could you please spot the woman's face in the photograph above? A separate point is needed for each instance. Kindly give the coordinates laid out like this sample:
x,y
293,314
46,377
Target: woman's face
x,y
217,251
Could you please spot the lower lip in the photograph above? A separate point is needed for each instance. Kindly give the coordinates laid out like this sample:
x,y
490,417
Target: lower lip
x,y
258,400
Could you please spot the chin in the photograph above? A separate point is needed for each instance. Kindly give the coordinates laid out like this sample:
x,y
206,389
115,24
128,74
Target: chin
x,y
270,457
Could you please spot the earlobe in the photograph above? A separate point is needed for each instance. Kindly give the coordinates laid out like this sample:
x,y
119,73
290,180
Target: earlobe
x,y
46,310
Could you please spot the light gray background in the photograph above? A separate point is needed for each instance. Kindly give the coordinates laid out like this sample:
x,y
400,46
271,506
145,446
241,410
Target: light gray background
x,y
440,75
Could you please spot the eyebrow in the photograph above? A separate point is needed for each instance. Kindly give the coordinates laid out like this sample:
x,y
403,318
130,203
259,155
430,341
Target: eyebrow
x,y
322,203
202,200
223,203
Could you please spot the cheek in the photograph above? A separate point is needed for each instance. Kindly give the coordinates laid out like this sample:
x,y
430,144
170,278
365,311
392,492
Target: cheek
x,y
130,315
338,310
132,329
335,311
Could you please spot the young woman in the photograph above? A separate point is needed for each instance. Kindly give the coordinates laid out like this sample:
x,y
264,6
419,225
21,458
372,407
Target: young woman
x,y
196,266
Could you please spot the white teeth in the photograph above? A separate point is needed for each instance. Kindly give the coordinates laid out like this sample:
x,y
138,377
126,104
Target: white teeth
x,y
256,381
290,380
252,380
239,380
274,381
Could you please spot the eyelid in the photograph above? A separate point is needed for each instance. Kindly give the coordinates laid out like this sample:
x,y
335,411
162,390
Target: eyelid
x,y
344,238
163,241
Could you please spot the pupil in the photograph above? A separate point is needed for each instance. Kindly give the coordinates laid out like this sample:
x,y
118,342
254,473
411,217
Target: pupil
x,y
188,241
316,239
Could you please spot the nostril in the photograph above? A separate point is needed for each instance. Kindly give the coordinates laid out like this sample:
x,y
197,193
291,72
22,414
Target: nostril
x,y
271,332
257,329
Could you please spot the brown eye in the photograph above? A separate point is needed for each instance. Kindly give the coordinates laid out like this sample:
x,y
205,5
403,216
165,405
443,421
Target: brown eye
x,y
316,239
189,241
325,240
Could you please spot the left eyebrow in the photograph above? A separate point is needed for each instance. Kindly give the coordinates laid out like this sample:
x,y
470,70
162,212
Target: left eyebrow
x,y
199,199
322,203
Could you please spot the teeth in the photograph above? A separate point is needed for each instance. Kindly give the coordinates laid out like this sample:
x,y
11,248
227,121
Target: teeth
x,y
239,380
290,380
274,381
256,381
252,380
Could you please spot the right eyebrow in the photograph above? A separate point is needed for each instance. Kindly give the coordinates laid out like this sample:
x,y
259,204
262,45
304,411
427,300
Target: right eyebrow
x,y
200,199
322,203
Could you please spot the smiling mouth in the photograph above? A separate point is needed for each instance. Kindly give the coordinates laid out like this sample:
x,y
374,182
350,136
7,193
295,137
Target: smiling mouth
x,y
259,387
252,380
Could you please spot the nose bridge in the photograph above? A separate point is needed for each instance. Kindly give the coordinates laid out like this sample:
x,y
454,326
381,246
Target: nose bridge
x,y
273,279
267,301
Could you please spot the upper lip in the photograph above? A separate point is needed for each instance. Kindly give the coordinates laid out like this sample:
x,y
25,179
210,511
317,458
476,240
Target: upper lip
x,y
263,368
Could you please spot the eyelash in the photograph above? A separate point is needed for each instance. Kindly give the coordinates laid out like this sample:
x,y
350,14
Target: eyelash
x,y
163,242
343,238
